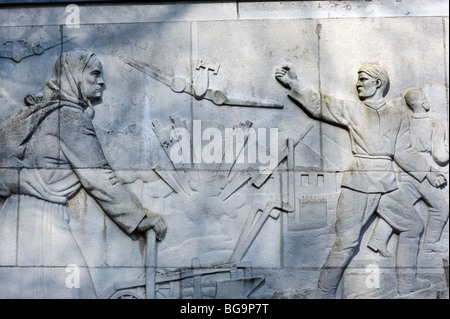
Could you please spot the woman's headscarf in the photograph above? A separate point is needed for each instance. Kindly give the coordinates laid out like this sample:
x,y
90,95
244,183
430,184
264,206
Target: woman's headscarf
x,y
65,83
63,88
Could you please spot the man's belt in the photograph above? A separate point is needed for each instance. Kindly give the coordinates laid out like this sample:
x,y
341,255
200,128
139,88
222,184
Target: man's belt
x,y
375,157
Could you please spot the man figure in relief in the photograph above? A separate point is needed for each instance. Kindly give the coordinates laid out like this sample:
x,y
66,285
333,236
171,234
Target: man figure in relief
x,y
428,136
379,135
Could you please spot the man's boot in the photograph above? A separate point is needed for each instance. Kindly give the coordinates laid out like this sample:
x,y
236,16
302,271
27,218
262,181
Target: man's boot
x,y
406,268
380,238
408,285
328,283
431,241
331,275
433,236
435,247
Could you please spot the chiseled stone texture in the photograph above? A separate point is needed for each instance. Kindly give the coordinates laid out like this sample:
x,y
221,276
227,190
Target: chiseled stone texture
x,y
205,69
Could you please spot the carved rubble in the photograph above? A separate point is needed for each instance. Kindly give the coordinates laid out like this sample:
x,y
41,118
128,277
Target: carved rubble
x,y
203,158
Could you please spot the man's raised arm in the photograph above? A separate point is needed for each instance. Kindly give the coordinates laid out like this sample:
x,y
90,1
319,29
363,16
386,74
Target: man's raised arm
x,y
316,105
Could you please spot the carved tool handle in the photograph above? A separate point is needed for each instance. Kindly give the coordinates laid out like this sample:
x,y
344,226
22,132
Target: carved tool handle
x,y
150,264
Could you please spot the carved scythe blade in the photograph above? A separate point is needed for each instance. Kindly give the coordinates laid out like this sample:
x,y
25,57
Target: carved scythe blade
x,y
176,84
180,85
18,52
252,103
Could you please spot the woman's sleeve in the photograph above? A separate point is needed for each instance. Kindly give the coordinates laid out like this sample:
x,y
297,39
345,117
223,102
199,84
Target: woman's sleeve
x,y
81,147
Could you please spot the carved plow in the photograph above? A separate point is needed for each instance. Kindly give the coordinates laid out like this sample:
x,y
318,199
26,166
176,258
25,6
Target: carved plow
x,y
225,281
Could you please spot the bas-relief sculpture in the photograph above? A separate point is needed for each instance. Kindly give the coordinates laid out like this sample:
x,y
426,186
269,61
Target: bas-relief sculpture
x,y
50,151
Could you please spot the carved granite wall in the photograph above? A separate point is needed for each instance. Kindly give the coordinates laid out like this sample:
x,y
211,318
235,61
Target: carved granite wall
x,y
206,117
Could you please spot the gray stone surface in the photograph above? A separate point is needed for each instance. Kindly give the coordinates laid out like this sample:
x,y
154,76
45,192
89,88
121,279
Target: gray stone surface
x,y
187,86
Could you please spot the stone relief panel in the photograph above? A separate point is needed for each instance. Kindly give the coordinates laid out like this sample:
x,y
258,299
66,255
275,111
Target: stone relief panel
x,y
225,159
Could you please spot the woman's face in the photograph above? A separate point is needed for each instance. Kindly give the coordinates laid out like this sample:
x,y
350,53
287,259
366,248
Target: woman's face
x,y
92,82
